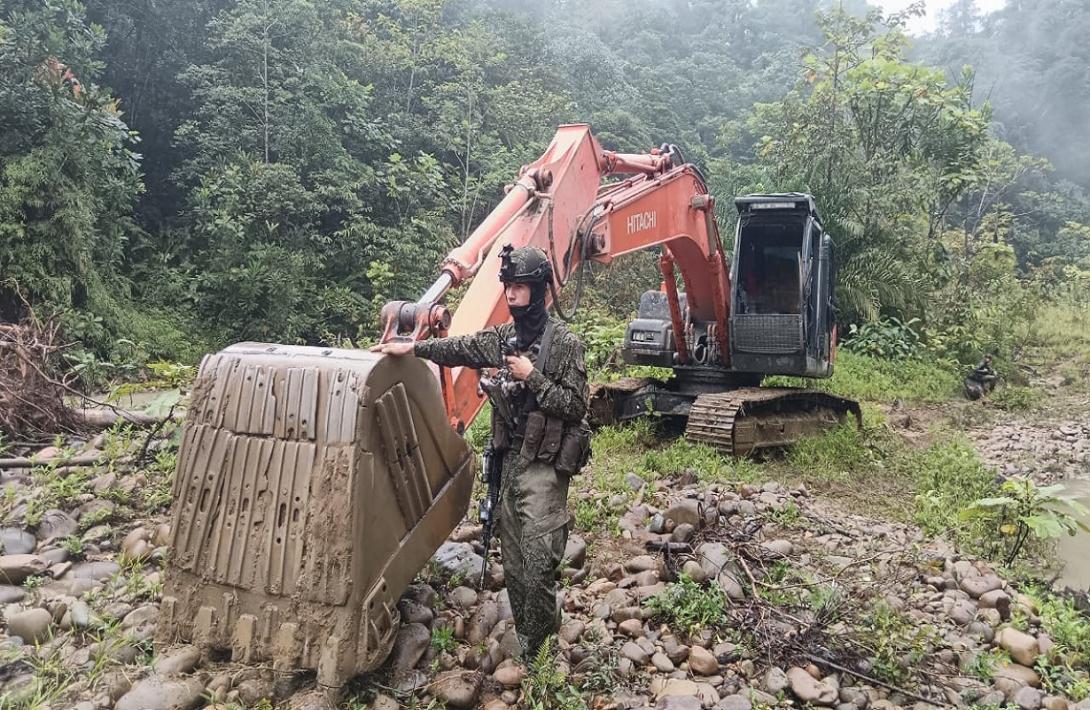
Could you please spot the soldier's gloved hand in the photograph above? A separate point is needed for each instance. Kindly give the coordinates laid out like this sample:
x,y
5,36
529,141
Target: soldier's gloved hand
x,y
400,347
520,366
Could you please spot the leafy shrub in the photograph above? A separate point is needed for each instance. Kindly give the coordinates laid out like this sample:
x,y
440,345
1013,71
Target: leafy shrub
x,y
1024,509
1016,399
888,339
690,606
872,379
947,477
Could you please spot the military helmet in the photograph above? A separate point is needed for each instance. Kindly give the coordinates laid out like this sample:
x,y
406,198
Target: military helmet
x,y
524,265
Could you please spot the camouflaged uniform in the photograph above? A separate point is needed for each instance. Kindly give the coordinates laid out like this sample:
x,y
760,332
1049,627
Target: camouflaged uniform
x,y
533,518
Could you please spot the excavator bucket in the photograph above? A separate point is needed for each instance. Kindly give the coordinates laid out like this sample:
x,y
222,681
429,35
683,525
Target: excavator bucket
x,y
312,485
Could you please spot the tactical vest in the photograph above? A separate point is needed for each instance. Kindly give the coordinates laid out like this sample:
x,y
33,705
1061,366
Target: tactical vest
x,y
551,440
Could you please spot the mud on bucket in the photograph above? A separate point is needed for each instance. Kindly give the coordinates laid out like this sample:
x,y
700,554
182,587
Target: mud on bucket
x,y
312,485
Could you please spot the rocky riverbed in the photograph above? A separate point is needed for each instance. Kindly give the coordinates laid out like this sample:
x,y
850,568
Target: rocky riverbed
x,y
792,601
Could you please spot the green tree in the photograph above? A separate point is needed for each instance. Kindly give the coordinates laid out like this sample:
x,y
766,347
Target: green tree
x,y
68,172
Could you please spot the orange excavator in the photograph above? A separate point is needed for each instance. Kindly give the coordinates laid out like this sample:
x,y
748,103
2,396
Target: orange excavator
x,y
313,483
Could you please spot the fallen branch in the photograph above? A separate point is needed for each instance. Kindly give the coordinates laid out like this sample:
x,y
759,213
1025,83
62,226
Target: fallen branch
x,y
875,681
106,418
31,462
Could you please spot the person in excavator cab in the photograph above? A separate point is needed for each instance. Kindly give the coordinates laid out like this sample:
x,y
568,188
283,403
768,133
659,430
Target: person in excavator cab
x,y
539,432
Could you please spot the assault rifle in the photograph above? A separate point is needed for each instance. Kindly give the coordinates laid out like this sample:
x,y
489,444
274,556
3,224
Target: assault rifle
x,y
500,390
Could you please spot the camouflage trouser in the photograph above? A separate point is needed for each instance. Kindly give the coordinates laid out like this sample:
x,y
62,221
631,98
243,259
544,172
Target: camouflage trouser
x,y
533,532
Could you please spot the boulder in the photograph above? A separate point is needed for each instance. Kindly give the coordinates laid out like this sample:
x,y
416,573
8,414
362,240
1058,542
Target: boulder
x,y
980,585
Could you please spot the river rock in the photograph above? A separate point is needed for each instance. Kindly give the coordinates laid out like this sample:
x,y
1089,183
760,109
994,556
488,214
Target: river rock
x,y
631,627
734,702
482,623
682,533
678,702
9,594
384,702
571,631
458,689
662,663
685,511
252,691
97,571
409,646
575,552
155,693
510,676
1028,698
810,690
176,661
676,687
702,661
1021,675
778,548
775,680
634,653
462,597
962,612
16,541
14,569
56,524
977,586
31,625
999,600
641,563
458,558
1021,646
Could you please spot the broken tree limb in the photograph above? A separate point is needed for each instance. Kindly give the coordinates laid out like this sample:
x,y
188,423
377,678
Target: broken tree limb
x,y
31,462
105,418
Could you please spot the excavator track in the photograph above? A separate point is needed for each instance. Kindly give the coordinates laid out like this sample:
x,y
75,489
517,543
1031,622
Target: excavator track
x,y
741,421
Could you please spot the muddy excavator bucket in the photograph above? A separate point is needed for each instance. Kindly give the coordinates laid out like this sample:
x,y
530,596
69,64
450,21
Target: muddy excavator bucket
x,y
312,485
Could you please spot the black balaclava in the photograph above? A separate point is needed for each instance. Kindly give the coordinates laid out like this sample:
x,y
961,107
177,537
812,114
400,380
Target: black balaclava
x,y
531,319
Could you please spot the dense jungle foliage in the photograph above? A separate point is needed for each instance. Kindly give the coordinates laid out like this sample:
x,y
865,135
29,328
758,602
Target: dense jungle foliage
x,y
178,175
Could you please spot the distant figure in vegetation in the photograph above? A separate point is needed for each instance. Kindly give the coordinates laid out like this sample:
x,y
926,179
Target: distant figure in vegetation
x,y
982,380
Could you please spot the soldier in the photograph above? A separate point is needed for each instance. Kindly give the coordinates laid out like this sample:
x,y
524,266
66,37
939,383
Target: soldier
x,y
542,437
981,380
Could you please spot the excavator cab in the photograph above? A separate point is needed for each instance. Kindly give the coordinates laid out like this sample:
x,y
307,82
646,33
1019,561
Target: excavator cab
x,y
782,315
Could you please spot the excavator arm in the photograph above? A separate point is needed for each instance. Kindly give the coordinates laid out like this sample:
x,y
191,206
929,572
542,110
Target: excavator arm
x,y
560,204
